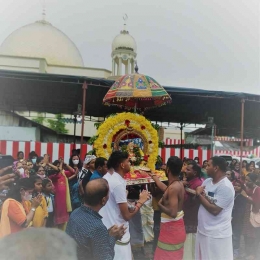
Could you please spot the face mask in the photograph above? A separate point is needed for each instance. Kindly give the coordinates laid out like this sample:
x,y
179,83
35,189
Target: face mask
x,y
196,161
34,161
75,162
41,176
21,171
27,196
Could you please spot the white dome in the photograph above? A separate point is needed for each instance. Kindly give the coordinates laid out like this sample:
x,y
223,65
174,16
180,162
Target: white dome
x,y
42,40
124,40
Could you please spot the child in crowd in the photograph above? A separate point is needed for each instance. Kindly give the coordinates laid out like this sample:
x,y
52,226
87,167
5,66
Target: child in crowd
x,y
47,188
41,212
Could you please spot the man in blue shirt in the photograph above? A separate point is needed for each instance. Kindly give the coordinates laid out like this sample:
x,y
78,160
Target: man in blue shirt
x,y
100,168
93,239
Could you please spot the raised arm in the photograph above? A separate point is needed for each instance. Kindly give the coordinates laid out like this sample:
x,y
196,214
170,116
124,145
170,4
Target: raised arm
x,y
158,183
53,167
69,168
5,169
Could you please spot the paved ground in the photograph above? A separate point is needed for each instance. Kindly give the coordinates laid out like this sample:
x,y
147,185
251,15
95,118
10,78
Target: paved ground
x,y
146,252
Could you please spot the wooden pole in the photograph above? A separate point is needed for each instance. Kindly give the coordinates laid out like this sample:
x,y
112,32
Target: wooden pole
x,y
181,141
84,90
242,132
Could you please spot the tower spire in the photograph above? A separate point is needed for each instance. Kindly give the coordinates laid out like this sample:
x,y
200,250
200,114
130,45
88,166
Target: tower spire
x,y
125,18
43,10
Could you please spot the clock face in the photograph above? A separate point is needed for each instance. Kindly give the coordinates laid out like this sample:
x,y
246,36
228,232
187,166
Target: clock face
x,y
124,57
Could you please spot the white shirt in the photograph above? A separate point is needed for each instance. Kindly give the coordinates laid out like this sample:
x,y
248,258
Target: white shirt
x,y
49,203
217,226
111,212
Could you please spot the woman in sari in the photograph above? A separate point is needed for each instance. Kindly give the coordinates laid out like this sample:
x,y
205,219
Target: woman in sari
x,y
14,217
244,167
62,195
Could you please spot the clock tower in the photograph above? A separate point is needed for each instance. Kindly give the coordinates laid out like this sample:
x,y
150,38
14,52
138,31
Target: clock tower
x,y
123,53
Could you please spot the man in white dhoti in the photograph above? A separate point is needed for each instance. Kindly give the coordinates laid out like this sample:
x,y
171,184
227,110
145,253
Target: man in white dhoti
x,y
216,195
116,209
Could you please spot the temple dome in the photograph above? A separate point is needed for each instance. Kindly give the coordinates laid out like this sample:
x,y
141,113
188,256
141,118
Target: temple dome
x,y
124,41
42,40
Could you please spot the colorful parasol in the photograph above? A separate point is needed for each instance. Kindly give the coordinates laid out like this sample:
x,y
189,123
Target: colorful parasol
x,y
136,91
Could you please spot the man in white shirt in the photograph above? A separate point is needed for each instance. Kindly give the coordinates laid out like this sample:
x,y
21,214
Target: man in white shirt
x,y
216,195
116,212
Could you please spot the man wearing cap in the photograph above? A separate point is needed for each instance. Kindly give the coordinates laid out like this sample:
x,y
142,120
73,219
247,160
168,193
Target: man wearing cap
x,y
86,172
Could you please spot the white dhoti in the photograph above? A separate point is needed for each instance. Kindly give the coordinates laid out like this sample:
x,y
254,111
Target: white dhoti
x,y
208,248
189,246
123,252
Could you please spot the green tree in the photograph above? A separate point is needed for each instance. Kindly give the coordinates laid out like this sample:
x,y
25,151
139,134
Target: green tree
x,y
39,119
57,124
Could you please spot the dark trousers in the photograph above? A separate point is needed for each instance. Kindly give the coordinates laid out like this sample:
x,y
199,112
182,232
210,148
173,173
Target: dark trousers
x,y
236,237
50,220
156,227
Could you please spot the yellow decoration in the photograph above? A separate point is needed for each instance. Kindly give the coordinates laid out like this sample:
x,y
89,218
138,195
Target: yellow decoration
x,y
114,124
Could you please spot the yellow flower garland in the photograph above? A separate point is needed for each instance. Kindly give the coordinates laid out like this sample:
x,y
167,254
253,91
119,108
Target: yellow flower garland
x,y
114,124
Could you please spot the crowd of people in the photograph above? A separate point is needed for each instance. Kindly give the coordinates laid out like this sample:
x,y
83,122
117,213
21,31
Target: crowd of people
x,y
200,213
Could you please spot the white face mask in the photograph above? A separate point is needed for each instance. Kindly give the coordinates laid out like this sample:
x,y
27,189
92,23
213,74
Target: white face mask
x,y
41,176
75,162
27,196
34,160
21,171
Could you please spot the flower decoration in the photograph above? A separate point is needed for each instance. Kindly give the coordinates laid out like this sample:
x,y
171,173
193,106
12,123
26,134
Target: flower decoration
x,y
120,122
150,142
142,127
146,157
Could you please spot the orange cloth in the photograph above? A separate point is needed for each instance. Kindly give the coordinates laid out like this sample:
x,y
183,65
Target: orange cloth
x,y
41,213
12,217
244,171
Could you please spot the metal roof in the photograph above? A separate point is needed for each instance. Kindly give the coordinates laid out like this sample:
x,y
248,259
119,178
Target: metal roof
x,y
23,91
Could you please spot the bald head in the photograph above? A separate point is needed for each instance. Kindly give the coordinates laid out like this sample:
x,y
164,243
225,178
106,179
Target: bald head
x,y
38,243
95,191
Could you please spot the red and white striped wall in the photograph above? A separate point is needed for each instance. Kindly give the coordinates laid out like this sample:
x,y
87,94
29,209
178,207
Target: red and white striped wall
x,y
249,142
169,141
255,152
57,150
165,153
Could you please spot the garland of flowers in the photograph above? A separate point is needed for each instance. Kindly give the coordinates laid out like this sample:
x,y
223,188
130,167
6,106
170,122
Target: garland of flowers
x,y
113,124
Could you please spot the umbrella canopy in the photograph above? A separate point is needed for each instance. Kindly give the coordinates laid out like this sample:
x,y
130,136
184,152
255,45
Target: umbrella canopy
x,y
136,91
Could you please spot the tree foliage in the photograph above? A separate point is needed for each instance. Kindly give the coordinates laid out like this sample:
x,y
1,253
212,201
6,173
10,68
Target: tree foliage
x,y
40,119
57,124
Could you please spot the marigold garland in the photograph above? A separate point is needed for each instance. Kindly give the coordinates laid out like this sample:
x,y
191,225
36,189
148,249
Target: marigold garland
x,y
113,124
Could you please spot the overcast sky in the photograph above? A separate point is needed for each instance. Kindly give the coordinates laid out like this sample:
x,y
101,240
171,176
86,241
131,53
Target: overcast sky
x,y
207,44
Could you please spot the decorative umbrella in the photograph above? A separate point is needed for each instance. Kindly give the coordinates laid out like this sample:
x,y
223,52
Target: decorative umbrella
x,y
136,91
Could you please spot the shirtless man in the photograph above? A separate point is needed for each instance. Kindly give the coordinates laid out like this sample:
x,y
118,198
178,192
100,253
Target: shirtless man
x,y
172,234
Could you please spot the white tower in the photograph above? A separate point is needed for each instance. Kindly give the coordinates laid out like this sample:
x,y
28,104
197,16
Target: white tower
x,y
123,53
